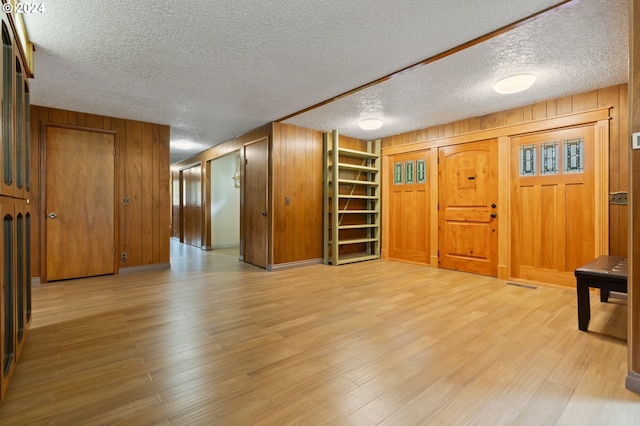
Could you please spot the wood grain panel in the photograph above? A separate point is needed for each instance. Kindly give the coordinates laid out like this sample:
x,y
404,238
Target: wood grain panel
x,y
95,121
579,221
585,101
624,179
130,176
539,110
564,105
550,210
133,189
298,175
36,115
163,199
634,188
147,194
515,116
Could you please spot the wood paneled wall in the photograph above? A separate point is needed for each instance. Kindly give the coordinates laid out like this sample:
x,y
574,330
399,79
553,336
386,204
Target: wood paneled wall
x,y
142,168
614,97
633,336
297,159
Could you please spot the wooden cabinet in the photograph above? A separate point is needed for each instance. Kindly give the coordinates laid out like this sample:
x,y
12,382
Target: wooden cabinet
x,y
15,208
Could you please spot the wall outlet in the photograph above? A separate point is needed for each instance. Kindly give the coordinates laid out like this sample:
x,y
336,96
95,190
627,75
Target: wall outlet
x,y
635,140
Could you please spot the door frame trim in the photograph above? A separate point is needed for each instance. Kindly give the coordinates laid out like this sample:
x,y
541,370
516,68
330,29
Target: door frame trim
x,y
42,196
181,195
243,237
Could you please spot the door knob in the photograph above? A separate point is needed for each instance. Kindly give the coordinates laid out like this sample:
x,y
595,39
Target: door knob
x,y
52,215
493,215
264,214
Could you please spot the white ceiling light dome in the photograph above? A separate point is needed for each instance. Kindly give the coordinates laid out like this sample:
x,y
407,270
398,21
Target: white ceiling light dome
x,y
514,83
182,144
370,123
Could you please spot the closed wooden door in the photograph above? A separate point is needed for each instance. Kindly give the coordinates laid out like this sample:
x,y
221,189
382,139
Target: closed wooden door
x,y
409,207
192,205
80,197
255,202
468,194
553,219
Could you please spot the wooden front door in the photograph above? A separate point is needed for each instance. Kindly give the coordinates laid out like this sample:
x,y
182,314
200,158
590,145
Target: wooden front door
x,y
553,219
409,207
80,203
192,205
468,197
256,174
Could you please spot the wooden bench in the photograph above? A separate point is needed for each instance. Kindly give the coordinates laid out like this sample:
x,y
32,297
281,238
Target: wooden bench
x,y
608,273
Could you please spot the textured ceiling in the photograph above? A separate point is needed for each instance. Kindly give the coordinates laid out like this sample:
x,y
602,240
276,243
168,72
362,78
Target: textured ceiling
x,y
213,70
572,50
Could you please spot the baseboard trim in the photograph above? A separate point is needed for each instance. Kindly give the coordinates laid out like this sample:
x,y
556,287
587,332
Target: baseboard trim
x,y
290,265
144,268
633,381
224,246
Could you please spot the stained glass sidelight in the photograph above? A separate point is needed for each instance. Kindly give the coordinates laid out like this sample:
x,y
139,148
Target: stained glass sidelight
x,y
528,160
421,171
397,173
549,157
573,155
408,172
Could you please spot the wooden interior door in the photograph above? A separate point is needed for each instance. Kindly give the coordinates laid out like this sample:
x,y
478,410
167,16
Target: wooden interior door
x,y
256,177
468,197
552,204
192,206
80,203
409,207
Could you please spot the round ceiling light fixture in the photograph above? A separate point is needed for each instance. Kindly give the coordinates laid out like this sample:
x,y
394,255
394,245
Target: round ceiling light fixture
x,y
370,124
514,83
182,144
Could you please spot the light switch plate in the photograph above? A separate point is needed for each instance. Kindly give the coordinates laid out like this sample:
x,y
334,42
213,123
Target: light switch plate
x,y
635,140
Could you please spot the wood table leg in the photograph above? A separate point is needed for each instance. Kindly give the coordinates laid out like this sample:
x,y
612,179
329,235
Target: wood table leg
x,y
584,308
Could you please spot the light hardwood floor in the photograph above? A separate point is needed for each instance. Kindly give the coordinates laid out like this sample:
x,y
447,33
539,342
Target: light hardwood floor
x,y
216,341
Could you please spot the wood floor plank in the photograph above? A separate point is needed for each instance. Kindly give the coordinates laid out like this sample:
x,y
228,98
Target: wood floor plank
x,y
217,341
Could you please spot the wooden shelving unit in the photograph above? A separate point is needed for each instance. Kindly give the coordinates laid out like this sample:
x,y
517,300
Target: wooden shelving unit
x,y
351,202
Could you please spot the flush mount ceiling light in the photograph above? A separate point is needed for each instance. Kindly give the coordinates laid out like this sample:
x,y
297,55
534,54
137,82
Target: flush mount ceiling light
x,y
182,144
370,124
514,83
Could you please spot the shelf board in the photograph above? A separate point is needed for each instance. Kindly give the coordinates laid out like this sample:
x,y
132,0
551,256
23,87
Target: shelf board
x,y
347,166
359,226
358,197
360,257
357,182
357,154
357,211
357,241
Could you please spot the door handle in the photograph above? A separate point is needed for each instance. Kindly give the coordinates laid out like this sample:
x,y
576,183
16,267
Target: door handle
x,y
264,214
52,215
493,215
